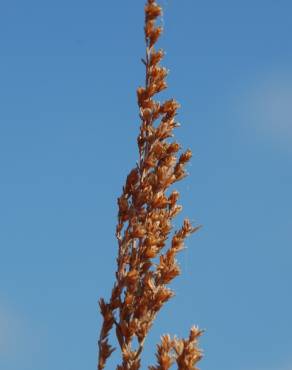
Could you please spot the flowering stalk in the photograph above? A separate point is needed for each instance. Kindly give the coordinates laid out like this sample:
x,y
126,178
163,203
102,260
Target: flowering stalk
x,y
146,264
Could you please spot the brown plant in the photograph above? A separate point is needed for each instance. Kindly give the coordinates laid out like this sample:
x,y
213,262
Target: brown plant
x,y
145,263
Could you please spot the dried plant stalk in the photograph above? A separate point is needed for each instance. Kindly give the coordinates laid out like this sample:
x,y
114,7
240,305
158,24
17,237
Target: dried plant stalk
x,y
146,210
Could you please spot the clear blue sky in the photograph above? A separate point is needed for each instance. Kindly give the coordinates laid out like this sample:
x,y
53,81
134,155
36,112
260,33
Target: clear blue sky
x,y
68,126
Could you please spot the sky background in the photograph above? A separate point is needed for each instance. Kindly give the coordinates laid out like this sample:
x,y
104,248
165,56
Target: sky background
x,y
68,127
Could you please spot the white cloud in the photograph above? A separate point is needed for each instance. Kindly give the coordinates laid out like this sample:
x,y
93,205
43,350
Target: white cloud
x,y
266,105
17,337
9,331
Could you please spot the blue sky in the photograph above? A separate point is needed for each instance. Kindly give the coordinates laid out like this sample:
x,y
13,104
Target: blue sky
x,y
68,126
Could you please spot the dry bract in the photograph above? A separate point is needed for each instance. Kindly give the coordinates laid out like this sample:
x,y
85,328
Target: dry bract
x,y
145,265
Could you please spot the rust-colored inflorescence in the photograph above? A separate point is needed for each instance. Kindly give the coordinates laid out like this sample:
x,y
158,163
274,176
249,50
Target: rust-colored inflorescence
x,y
146,263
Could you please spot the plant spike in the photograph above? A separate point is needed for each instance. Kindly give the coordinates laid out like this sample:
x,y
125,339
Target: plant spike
x,y
145,263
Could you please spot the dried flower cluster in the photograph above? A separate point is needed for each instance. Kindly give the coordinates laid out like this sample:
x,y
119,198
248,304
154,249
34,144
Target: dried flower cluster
x,y
145,263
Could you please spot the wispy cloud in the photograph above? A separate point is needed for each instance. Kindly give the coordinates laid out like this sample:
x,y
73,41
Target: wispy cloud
x,y
17,338
9,331
266,105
